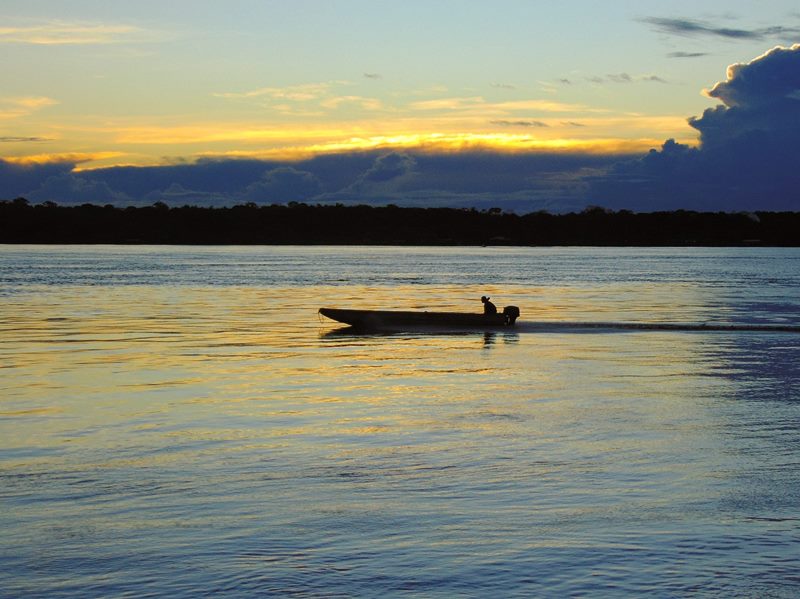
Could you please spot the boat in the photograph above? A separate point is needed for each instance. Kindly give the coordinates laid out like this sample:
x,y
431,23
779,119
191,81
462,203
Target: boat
x,y
395,319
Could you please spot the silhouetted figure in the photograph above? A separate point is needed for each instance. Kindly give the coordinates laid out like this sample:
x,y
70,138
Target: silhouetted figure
x,y
488,307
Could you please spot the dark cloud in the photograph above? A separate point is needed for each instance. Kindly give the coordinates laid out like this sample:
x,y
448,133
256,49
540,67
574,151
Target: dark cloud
x,y
500,173
522,182
689,27
209,181
620,78
624,78
12,139
686,54
206,180
749,148
177,195
759,100
389,167
74,188
372,178
20,180
284,184
389,174
769,81
373,76
503,86
519,123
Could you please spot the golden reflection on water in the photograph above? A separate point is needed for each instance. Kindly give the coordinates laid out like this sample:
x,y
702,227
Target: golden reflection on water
x,y
150,366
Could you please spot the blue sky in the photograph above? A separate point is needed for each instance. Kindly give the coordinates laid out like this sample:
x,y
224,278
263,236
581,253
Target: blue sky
x,y
92,89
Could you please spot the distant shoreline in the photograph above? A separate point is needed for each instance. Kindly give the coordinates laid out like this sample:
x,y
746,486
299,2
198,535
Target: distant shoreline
x,y
302,224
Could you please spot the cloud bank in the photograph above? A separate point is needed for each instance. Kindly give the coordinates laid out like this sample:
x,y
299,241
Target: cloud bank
x,y
749,150
520,182
748,158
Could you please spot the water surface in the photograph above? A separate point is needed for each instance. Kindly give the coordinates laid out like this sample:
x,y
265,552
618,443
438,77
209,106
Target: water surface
x,y
178,421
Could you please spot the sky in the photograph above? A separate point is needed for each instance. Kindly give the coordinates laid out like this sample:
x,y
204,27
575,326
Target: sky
x,y
523,105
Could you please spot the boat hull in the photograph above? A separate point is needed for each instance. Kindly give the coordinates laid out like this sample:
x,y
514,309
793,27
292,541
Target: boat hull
x,y
392,319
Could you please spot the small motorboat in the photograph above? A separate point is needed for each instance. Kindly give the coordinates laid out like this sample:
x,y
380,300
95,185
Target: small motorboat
x,y
394,319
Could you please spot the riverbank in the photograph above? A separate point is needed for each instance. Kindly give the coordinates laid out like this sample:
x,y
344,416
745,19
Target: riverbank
x,y
301,224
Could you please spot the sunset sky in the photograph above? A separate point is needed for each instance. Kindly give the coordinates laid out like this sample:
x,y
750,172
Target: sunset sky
x,y
546,99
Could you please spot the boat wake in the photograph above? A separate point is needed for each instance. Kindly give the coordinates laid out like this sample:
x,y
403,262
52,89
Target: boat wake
x,y
545,326
567,327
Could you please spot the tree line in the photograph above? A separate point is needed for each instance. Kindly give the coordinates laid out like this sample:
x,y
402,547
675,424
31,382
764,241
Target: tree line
x,y
298,223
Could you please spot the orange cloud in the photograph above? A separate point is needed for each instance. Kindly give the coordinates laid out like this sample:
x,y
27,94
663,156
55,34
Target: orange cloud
x,y
64,157
14,108
442,142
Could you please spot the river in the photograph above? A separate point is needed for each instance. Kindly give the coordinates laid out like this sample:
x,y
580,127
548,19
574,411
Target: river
x,y
179,421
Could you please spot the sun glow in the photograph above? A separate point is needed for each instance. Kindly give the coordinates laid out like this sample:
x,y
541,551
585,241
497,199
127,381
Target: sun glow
x,y
455,142
286,148
151,142
63,157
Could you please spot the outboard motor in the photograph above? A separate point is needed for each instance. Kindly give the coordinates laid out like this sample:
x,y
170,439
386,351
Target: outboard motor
x,y
511,314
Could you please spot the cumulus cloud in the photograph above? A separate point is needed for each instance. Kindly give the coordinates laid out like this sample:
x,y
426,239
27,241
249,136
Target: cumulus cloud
x,y
762,82
388,176
749,147
759,100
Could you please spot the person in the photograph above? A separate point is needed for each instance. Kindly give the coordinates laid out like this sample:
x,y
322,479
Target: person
x,y
488,307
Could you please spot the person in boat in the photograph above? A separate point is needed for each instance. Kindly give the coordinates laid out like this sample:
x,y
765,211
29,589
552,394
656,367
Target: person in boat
x,y
488,307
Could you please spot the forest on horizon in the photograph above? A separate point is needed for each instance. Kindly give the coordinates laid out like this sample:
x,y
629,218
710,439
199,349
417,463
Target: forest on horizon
x,y
322,224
